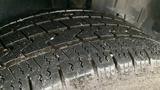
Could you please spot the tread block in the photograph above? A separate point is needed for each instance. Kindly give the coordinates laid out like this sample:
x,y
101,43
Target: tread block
x,y
112,21
70,14
29,67
121,31
39,42
153,53
52,26
139,55
61,57
17,72
77,64
23,24
122,56
72,23
13,37
61,39
88,33
6,76
40,18
101,58
67,14
15,50
79,14
94,21
104,31
46,60
31,31
90,13
6,30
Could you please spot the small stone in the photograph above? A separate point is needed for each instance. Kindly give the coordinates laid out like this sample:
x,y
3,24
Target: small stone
x,y
126,30
111,55
57,56
51,38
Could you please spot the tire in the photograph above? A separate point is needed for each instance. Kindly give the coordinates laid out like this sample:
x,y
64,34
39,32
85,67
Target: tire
x,y
74,50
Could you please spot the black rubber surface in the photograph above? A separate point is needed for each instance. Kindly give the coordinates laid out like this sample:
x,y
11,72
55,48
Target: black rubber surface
x,y
53,48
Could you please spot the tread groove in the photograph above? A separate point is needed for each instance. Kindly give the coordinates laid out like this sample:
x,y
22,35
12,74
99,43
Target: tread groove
x,y
71,66
62,78
149,59
65,25
42,28
94,46
13,88
81,62
114,61
94,66
65,54
114,35
76,36
139,15
30,83
26,36
132,58
97,35
37,63
11,73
